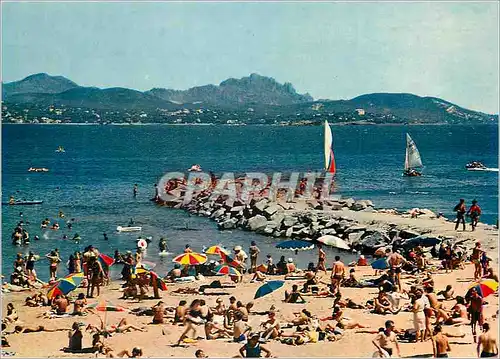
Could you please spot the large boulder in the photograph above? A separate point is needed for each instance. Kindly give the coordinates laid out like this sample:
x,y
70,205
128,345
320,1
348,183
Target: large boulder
x,y
289,232
229,224
278,217
257,222
271,209
408,233
261,205
354,238
237,208
325,231
358,206
373,240
348,202
290,221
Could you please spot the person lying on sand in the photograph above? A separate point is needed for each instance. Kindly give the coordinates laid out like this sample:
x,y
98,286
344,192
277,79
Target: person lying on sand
x,y
456,316
19,329
448,293
258,276
341,322
121,327
135,353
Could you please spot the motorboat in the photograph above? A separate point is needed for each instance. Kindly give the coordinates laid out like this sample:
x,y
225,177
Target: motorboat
x,y
37,169
479,166
128,229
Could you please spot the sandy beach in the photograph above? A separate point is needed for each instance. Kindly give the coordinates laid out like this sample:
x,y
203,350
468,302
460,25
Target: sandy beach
x,y
158,340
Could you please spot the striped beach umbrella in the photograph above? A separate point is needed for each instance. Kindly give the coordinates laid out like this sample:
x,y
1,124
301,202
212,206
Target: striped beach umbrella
x,y
192,259
229,260
106,261
484,287
65,285
154,277
227,270
216,250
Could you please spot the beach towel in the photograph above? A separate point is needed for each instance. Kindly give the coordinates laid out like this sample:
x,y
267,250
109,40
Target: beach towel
x,y
185,279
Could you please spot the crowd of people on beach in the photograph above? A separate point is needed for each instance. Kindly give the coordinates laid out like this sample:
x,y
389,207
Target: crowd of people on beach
x,y
405,284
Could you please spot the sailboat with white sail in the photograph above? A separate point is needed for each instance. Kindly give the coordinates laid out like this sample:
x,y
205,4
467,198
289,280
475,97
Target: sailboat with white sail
x,y
413,161
329,158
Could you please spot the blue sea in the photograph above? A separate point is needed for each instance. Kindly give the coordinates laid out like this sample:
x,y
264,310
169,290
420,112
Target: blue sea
x,y
93,180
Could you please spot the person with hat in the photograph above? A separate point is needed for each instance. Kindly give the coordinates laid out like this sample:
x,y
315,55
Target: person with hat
x,y
474,212
254,254
291,266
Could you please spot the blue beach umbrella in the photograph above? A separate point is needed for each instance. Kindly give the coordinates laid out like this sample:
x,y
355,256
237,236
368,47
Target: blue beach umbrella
x,y
380,264
295,245
268,288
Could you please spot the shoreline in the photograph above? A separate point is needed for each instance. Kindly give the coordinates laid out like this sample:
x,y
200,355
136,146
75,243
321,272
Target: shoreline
x,y
240,125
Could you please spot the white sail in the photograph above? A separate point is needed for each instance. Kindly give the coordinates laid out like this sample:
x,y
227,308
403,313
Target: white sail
x,y
412,159
328,145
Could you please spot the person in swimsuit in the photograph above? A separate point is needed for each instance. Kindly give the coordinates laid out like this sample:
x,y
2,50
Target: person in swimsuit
x,y
386,340
440,344
488,342
192,318
294,296
253,349
54,261
158,312
79,305
460,209
321,259
474,212
396,261
254,254
475,311
475,258
338,274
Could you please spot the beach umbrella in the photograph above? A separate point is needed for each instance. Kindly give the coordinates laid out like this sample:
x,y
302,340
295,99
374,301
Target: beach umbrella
x,y
227,270
295,245
229,260
106,261
268,288
484,287
332,241
380,264
216,250
159,282
190,259
65,285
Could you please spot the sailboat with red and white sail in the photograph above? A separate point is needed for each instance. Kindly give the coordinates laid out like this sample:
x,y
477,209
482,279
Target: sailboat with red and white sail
x,y
329,158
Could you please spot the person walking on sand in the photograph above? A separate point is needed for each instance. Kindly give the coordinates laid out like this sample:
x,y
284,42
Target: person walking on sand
x,y
474,212
488,342
338,274
386,340
321,259
475,310
460,209
440,344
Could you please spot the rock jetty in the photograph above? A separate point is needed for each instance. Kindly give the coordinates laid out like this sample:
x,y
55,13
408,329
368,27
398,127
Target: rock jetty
x,y
304,219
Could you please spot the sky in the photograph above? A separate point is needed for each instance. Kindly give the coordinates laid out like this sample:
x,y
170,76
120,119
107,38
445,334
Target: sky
x,y
330,50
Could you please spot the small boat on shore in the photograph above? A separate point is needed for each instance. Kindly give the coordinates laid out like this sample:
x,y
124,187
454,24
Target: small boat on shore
x,y
20,202
36,169
413,162
128,229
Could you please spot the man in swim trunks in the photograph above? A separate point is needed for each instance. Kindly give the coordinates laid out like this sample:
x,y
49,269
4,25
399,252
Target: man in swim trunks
x,y
338,274
396,261
386,340
60,304
321,259
475,311
489,343
475,258
440,344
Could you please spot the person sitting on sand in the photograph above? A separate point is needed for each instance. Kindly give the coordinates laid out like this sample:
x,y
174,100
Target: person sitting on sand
x,y
253,349
352,281
220,308
231,310
130,290
258,276
382,304
311,281
271,326
294,296
180,312
448,293
240,328
158,313
174,273
75,338
11,316
60,304
303,317
200,354
79,305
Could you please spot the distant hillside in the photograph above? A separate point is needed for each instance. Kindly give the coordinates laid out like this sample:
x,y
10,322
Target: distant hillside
x,y
251,90
38,83
252,98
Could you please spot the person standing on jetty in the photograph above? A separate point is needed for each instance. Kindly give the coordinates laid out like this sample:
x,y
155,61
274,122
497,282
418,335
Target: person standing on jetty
x,y
460,209
474,212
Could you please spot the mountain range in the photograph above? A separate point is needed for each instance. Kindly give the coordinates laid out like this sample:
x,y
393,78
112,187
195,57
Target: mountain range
x,y
260,93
